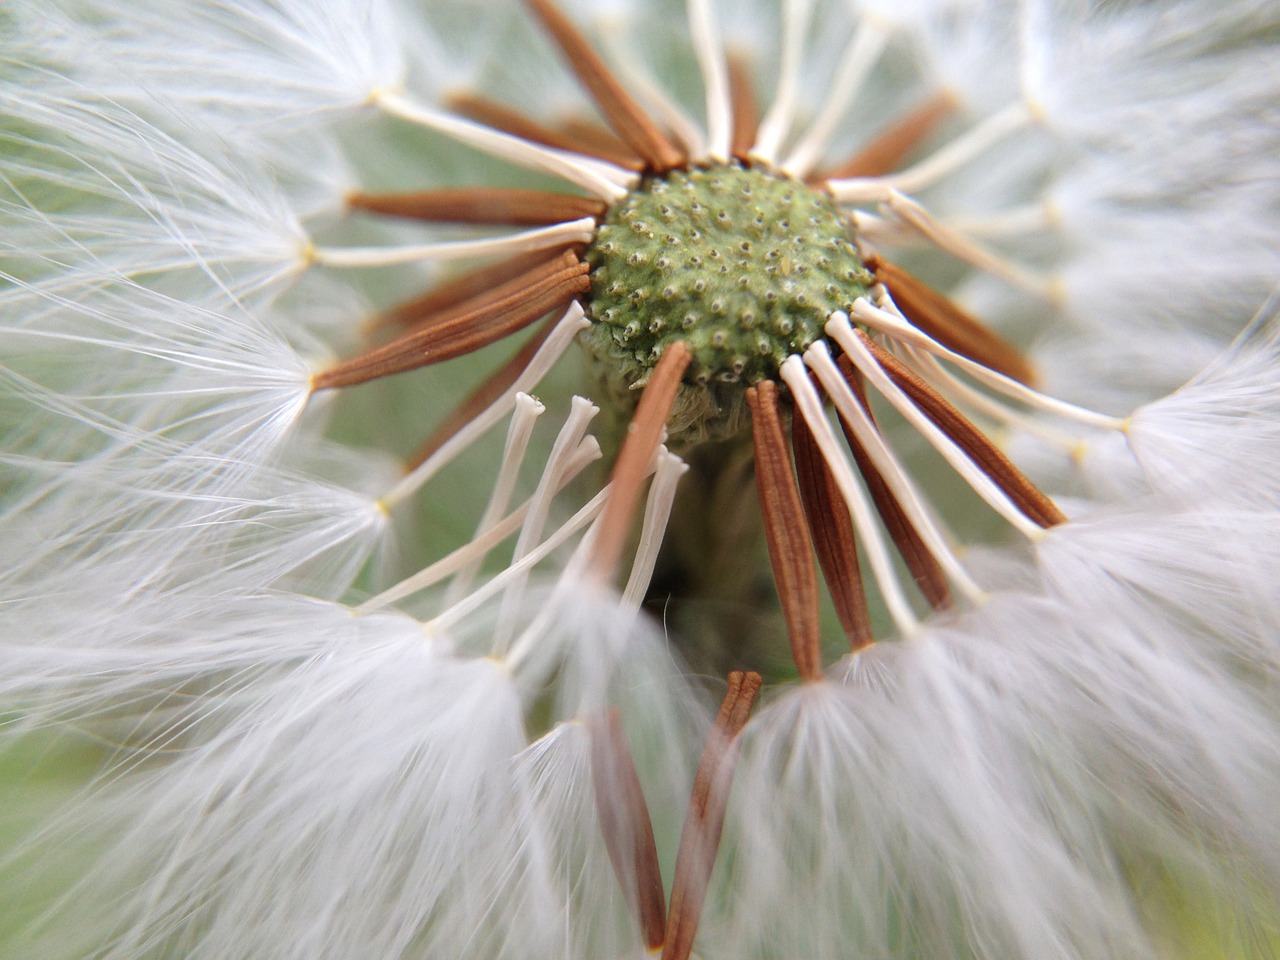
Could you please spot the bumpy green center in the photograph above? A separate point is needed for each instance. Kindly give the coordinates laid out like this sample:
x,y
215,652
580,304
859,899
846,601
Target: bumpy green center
x,y
742,264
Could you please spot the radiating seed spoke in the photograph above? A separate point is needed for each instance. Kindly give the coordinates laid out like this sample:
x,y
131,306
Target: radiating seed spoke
x,y
990,459
537,270
512,121
599,141
945,322
463,292
746,109
494,386
925,570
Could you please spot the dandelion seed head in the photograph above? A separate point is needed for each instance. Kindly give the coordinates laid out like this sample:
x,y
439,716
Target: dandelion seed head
x,y
741,264
822,231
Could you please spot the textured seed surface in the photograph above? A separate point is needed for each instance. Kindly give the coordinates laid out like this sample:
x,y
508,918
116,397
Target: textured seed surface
x,y
743,265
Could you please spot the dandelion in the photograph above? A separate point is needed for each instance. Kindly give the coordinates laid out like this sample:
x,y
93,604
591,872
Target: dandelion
x,y
790,280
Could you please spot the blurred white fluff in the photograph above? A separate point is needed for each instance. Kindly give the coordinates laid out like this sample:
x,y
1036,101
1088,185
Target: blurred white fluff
x,y
1213,440
1009,771
267,62
1218,437
290,777
93,185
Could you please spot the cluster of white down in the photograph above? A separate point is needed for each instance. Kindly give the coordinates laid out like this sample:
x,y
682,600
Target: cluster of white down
x,y
302,764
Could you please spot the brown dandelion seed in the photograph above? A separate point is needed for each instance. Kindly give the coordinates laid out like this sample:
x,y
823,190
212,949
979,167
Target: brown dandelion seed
x,y
627,119
630,467
790,548
887,151
626,826
700,839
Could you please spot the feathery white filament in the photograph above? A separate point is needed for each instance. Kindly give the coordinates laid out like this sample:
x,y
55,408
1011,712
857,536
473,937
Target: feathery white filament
x,y
872,230
855,498
915,215
941,163
552,350
473,552
715,78
778,121
605,168
503,145
581,412
662,493
970,399
896,326
819,360
518,570
572,231
519,430
839,329
1014,222
569,439
525,647
855,66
